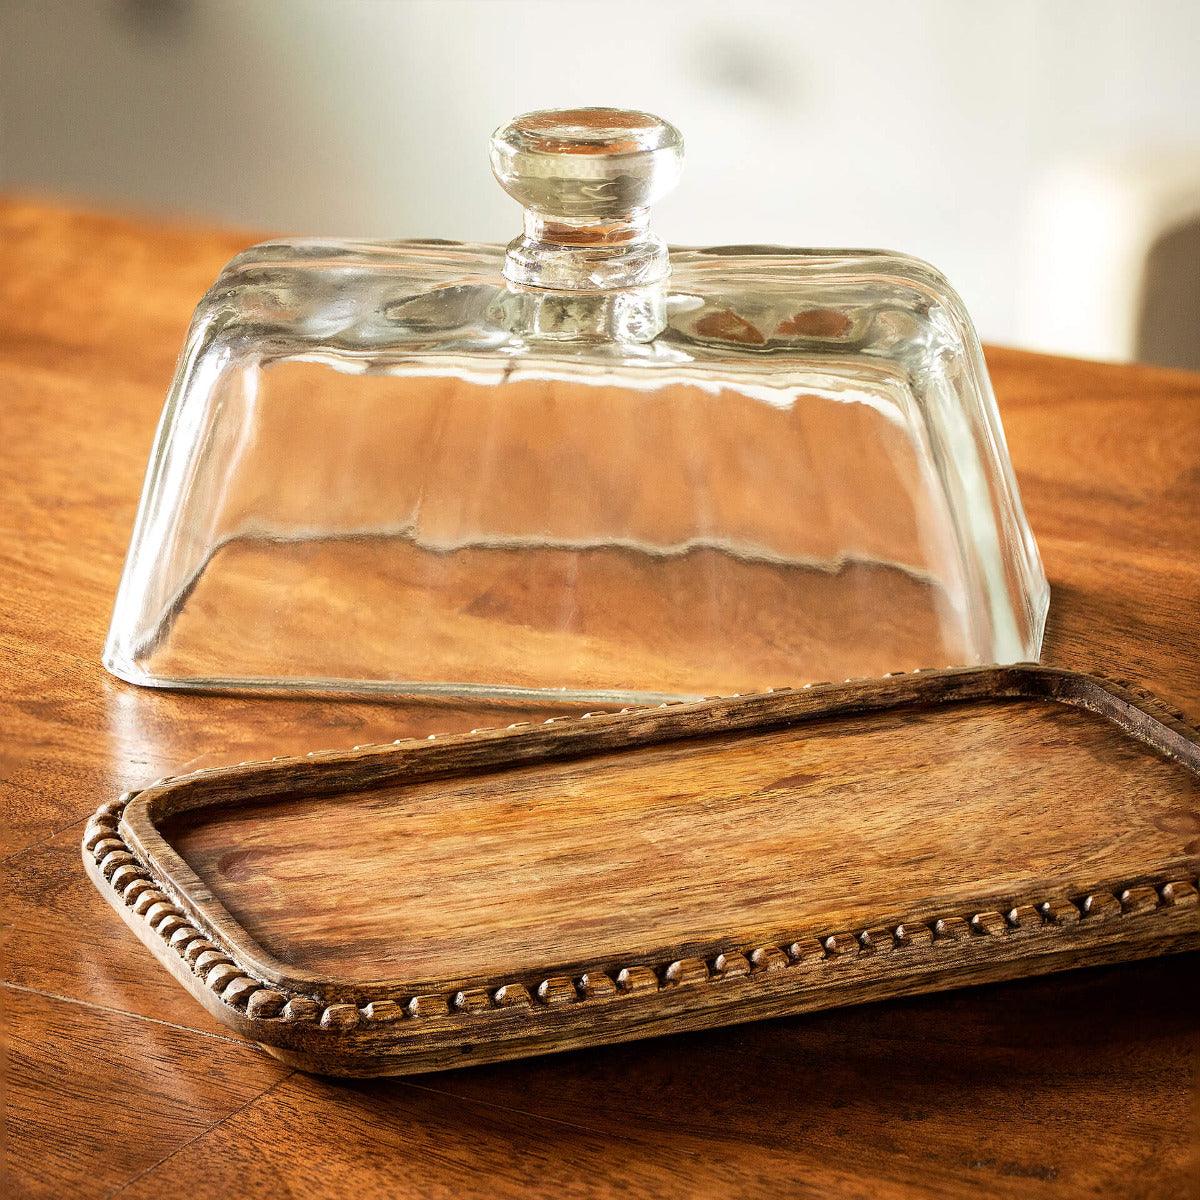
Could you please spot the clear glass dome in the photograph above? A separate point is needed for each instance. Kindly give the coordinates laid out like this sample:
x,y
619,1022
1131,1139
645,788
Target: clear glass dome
x,y
583,468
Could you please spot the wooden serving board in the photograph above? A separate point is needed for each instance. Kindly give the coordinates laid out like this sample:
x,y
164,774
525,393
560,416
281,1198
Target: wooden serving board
x,y
469,898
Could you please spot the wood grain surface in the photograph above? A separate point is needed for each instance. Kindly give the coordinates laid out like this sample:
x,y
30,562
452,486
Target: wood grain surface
x,y
638,855
1074,1084
454,900
105,1107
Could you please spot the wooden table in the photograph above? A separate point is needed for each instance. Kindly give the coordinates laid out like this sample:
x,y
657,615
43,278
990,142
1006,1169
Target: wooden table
x,y
119,1082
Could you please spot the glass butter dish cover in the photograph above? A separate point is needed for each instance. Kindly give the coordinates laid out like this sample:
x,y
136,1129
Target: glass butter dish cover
x,y
582,467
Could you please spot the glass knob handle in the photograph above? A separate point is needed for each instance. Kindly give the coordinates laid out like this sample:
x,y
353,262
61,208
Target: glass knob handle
x,y
586,178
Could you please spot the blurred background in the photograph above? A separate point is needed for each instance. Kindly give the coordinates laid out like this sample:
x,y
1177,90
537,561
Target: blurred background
x,y
1045,156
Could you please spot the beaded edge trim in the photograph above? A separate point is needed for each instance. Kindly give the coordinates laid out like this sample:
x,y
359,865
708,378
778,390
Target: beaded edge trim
x,y
149,899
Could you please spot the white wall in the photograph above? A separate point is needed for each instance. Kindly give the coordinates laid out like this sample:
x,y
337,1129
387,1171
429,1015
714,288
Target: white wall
x,y
934,126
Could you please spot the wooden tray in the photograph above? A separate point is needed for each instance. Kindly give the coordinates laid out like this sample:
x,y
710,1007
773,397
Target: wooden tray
x,y
469,898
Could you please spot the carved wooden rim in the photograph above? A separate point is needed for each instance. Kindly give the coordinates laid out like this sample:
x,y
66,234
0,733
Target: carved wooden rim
x,y
129,859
